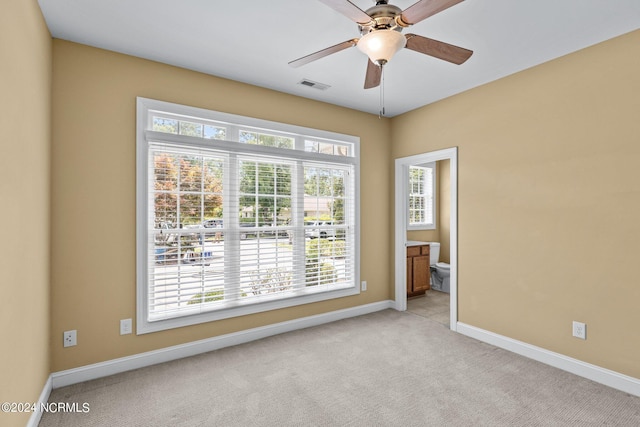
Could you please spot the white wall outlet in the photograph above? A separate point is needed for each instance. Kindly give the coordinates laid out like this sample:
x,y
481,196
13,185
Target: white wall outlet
x,y
363,285
69,338
580,330
125,326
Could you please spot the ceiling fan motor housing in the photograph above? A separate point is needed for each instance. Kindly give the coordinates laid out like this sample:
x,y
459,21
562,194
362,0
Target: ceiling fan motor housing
x,y
383,17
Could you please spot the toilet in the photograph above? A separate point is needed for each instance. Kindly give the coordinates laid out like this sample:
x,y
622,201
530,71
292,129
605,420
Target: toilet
x,y
440,271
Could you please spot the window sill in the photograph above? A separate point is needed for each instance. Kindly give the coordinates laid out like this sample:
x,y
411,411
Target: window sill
x,y
421,227
144,326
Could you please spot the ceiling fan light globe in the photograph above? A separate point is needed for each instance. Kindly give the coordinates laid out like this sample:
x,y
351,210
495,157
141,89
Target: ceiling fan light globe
x,y
381,45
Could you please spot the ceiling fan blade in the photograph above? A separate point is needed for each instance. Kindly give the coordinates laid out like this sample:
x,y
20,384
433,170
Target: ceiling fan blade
x,y
374,73
438,49
424,9
322,53
349,10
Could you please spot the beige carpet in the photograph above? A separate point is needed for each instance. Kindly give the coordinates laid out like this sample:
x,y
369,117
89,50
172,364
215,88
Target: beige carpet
x,y
382,369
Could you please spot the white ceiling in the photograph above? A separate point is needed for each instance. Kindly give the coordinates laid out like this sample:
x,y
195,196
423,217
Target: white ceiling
x,y
253,40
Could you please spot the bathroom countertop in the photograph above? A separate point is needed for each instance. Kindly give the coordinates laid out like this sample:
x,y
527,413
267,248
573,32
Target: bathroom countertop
x,y
415,243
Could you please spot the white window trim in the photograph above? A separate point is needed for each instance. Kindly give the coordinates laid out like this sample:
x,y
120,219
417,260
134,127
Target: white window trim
x,y
144,106
425,225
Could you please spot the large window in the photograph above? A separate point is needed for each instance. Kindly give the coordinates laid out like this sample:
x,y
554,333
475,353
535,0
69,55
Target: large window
x,y
422,185
237,215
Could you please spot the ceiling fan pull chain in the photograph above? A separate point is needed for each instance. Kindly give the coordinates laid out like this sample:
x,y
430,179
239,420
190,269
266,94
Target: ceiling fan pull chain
x,y
381,114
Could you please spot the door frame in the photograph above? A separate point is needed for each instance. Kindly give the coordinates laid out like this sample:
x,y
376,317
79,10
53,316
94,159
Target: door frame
x,y
401,219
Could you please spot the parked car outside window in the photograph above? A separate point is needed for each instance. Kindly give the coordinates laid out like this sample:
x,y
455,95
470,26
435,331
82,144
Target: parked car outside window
x,y
322,233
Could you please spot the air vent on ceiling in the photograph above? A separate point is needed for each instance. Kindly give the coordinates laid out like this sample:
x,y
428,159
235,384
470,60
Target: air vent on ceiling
x,y
315,85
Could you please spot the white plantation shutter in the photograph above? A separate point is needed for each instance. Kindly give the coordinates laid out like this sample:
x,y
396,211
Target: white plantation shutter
x,y
222,224
422,196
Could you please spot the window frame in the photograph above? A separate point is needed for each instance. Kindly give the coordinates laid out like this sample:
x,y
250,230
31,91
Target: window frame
x,y
423,225
233,123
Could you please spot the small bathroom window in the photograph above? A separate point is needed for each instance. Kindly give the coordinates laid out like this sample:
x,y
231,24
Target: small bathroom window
x,y
421,197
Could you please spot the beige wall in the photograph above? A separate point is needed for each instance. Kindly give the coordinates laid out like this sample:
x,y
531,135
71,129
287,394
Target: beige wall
x,y
444,209
549,201
25,87
93,214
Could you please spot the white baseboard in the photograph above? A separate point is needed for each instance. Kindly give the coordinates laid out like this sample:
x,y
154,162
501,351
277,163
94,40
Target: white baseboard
x,y
595,373
35,417
116,366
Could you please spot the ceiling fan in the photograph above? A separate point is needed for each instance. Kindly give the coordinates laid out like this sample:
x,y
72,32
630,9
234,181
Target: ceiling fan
x,y
381,27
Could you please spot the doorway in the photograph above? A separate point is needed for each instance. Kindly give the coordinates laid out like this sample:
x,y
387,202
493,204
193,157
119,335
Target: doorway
x,y
401,219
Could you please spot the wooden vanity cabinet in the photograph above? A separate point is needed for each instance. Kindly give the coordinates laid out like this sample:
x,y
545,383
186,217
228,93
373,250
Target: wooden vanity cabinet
x,y
418,270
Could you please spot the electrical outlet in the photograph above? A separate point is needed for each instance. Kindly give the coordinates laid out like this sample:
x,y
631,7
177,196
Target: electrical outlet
x,y
125,326
363,286
69,338
580,330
